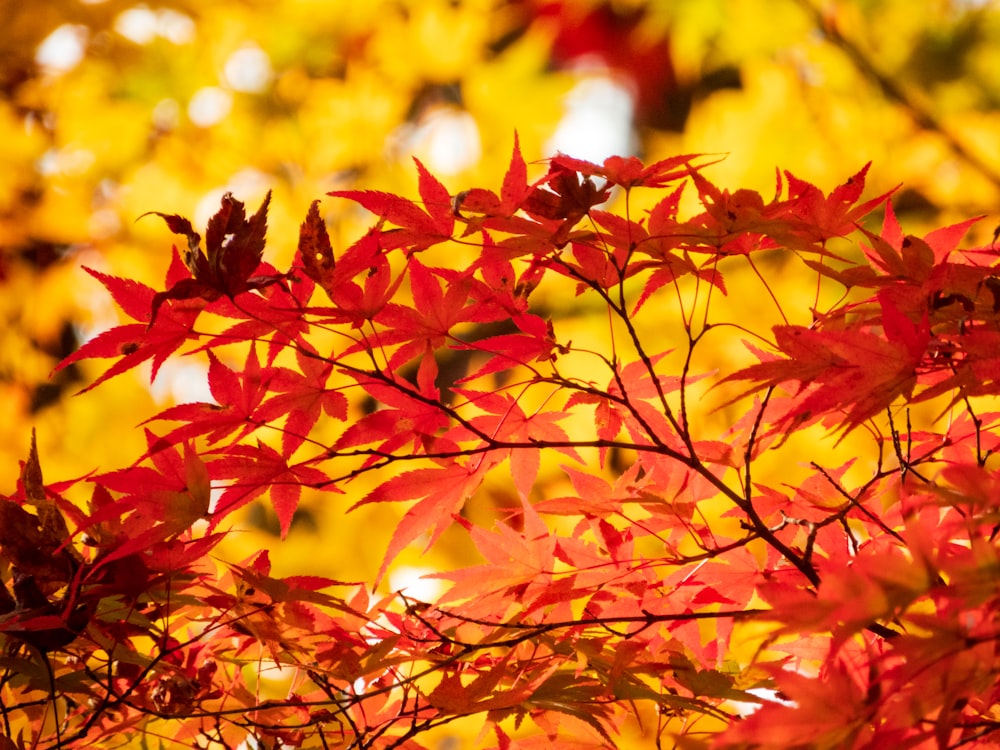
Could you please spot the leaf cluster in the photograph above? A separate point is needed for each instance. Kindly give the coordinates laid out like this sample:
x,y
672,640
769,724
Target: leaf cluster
x,y
644,565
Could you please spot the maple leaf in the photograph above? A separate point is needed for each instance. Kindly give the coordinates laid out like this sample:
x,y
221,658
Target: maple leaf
x,y
820,217
234,246
619,235
33,618
134,343
519,558
853,370
563,197
424,327
496,287
609,418
451,694
629,171
400,419
418,228
536,343
830,710
276,313
302,395
602,498
315,249
514,188
238,393
255,470
440,493
900,329
32,490
635,398
36,544
666,242
265,610
353,302
513,191
974,372
885,251
159,502
736,223
505,421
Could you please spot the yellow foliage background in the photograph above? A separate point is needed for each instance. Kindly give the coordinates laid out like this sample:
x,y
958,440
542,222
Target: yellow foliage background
x,y
112,108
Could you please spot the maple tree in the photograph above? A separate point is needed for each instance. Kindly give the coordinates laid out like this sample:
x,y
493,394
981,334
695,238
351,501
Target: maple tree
x,y
169,106
299,100
645,568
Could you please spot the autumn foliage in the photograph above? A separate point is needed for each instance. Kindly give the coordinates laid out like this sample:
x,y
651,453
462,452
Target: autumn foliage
x,y
652,563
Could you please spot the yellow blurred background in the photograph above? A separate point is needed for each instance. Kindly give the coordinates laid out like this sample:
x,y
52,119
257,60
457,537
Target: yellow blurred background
x,y
113,108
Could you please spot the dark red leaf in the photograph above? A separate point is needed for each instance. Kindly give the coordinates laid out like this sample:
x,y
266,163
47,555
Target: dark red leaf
x,y
315,249
234,246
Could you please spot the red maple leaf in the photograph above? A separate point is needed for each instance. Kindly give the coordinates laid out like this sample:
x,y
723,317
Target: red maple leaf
x,y
418,228
134,343
401,419
239,393
440,493
315,250
819,217
629,171
275,313
563,197
425,326
857,371
256,469
356,303
513,191
302,395
535,343
158,502
506,422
